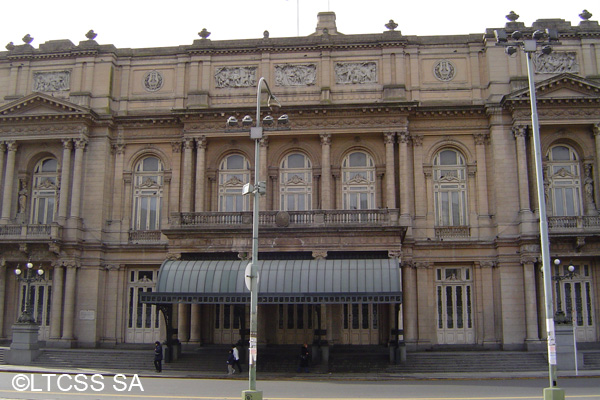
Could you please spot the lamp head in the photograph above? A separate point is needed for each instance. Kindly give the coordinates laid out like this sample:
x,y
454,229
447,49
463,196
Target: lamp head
x,y
29,265
546,50
571,268
268,120
283,120
18,271
556,261
273,104
232,121
247,120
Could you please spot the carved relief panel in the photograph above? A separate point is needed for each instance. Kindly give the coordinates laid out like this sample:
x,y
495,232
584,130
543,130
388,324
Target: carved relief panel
x,y
295,75
54,81
555,63
356,73
235,77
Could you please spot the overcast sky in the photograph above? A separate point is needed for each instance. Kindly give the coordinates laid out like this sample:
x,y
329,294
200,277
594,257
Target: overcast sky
x,y
151,23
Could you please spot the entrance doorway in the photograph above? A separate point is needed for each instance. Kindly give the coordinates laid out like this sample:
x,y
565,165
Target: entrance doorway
x,y
360,323
454,295
229,319
295,323
143,320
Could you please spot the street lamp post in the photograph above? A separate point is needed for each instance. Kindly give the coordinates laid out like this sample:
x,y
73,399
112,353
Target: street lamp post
x,y
25,347
530,46
258,189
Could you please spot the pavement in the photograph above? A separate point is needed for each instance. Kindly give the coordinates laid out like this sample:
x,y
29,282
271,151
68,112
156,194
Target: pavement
x,y
313,375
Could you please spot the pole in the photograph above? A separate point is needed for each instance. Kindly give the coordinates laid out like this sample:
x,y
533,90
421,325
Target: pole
x,y
552,392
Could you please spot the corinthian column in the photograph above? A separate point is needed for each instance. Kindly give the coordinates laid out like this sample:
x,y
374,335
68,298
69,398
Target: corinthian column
x,y
520,133
56,308
200,174
482,186
65,183
8,182
77,177
390,193
69,309
326,172
186,176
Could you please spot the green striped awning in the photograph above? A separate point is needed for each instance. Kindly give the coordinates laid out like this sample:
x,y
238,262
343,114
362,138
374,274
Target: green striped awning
x,y
280,281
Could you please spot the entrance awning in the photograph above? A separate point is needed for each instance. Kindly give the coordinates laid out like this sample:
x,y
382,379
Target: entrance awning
x,y
280,281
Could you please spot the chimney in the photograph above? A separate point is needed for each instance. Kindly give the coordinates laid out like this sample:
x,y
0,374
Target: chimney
x,y
326,24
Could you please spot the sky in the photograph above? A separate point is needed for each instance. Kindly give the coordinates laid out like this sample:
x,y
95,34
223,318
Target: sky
x,y
152,23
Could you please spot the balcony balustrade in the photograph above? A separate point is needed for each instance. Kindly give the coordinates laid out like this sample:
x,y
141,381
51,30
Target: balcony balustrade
x,y
23,232
282,219
572,225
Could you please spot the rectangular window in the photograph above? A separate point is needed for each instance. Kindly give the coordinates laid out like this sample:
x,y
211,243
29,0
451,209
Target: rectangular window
x,y
459,307
131,296
226,316
139,310
355,316
440,308
148,313
365,316
217,316
449,308
346,322
48,305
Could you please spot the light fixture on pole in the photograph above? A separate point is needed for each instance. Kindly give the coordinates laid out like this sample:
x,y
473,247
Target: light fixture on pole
x,y
258,189
28,278
530,46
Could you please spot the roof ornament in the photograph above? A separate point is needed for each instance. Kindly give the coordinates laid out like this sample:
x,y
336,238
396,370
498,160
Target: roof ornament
x,y
91,35
10,46
585,15
512,16
27,39
391,25
265,34
204,34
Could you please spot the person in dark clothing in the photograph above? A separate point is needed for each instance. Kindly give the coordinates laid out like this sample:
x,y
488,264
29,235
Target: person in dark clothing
x,y
303,358
158,356
230,362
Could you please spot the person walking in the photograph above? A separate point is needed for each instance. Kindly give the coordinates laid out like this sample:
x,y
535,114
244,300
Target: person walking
x,y
236,356
303,358
230,362
158,356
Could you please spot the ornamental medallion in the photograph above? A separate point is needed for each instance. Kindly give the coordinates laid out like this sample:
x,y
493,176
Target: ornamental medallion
x,y
153,81
444,70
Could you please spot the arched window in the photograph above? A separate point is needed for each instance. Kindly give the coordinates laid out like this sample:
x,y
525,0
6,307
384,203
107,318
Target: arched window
x,y
296,183
358,181
450,188
564,180
148,193
234,172
44,192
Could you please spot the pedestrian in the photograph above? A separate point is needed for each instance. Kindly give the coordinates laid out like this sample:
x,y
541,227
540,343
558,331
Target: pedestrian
x,y
236,355
303,358
158,356
230,362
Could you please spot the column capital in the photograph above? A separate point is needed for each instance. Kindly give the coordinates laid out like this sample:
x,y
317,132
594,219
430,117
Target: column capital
x,y
404,137
520,131
423,265
319,254
176,147
2,147
11,145
481,138
395,254
325,139
67,144
201,142
417,140
188,143
596,129
389,137
80,143
119,148
264,141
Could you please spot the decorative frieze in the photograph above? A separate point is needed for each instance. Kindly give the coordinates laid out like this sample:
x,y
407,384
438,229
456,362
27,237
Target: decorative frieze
x,y
53,81
235,77
356,73
295,75
555,63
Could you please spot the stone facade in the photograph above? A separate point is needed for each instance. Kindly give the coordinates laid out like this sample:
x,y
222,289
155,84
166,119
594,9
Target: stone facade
x,y
416,148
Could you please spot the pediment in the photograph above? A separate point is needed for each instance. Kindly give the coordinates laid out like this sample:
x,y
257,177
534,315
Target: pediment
x,y
40,105
559,87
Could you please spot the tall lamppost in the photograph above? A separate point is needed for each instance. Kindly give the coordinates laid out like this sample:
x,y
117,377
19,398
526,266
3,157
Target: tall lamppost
x,y
24,347
530,45
28,278
259,188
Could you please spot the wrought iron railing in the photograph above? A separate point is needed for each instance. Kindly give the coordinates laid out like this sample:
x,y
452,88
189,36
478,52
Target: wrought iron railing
x,y
34,231
452,232
579,223
144,236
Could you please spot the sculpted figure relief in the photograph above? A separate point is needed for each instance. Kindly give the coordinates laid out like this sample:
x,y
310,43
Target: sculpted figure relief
x,y
295,75
235,77
356,73
555,63
54,81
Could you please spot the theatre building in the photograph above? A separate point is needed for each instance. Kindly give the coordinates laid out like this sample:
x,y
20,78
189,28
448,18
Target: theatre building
x,y
401,199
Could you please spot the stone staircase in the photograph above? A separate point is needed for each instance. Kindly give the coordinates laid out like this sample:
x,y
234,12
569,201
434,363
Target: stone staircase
x,y
284,359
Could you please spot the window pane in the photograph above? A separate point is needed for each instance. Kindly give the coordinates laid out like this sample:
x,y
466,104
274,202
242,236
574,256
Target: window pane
x,y
235,162
459,307
300,316
365,316
354,316
558,206
358,159
139,310
449,308
296,161
226,316
560,153
148,313
153,223
131,295
290,316
448,157
150,164
440,308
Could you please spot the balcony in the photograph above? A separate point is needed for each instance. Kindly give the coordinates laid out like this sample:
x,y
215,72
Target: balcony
x,y
28,233
144,237
581,225
287,219
452,232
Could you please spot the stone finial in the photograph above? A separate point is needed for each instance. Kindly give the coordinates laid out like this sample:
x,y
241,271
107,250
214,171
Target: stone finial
x,y
10,46
391,25
512,16
204,34
585,15
27,39
265,34
91,35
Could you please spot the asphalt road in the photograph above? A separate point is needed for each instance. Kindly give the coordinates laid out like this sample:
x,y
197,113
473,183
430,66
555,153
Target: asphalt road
x,y
108,387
